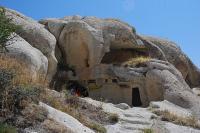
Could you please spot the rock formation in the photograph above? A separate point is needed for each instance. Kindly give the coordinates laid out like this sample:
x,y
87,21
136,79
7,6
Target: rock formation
x,y
85,41
31,56
104,55
37,36
175,56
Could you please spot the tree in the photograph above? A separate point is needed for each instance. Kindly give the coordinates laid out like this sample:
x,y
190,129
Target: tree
x,y
7,28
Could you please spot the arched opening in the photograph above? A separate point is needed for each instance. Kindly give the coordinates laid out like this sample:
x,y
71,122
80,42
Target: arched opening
x,y
136,100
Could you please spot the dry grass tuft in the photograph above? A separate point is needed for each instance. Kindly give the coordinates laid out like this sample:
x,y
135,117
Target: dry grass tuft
x,y
97,127
147,130
55,127
114,118
71,109
136,61
4,128
183,121
22,75
88,115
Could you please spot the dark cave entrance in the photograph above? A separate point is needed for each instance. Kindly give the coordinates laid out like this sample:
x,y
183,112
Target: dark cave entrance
x,y
136,100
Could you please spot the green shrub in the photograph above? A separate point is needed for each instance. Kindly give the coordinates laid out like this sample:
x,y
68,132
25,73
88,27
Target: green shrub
x,y
114,118
6,77
6,29
25,93
5,86
133,30
12,97
4,128
97,127
148,130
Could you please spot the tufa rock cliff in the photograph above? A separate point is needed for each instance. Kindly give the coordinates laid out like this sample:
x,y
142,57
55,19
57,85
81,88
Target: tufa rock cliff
x,y
111,60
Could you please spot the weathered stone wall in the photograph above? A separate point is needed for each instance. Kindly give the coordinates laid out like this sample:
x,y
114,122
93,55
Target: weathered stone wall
x,y
112,93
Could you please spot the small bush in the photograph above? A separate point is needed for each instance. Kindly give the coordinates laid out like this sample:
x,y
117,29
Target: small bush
x,y
25,94
6,77
20,72
4,128
73,101
136,61
14,99
133,30
114,118
34,113
184,121
148,130
97,127
6,29
55,127
16,86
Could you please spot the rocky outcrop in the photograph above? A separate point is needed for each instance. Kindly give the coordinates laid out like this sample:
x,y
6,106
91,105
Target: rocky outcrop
x,y
176,57
36,35
91,37
83,42
90,45
22,50
71,123
136,120
162,81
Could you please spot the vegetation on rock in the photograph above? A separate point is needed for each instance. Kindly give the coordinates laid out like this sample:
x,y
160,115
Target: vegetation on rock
x,y
114,118
4,128
6,30
148,130
136,61
87,114
184,121
19,95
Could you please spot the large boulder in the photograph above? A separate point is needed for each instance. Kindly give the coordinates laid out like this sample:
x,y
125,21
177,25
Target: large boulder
x,y
162,82
36,35
83,41
22,50
68,121
94,37
77,36
176,57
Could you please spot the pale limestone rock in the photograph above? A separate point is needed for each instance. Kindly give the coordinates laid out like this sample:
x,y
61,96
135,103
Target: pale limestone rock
x,y
176,57
196,91
36,35
22,50
67,120
172,108
123,106
83,41
172,128
162,81
135,120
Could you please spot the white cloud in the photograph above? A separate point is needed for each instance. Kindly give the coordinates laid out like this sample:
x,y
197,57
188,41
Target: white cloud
x,y
128,5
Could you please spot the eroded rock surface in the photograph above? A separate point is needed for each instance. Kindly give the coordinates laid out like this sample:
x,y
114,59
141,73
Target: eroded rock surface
x,y
136,120
175,56
36,35
93,38
96,49
162,81
22,50
90,37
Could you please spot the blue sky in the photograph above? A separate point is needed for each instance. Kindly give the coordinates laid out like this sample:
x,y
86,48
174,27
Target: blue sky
x,y
177,20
